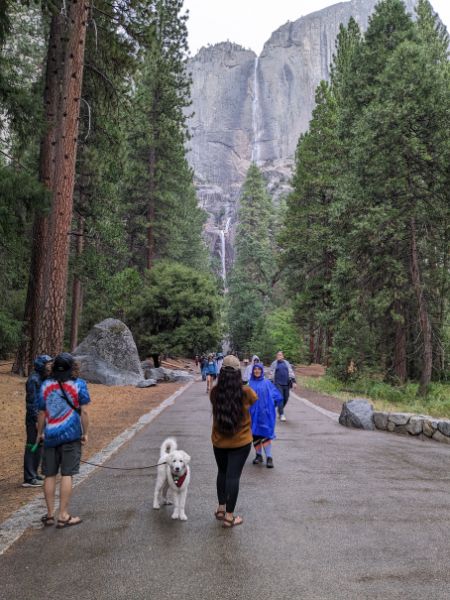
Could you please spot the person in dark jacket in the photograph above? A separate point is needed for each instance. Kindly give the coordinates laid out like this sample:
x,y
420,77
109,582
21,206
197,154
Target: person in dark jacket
x,y
283,376
32,456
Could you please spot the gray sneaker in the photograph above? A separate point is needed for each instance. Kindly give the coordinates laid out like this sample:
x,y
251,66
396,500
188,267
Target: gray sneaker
x,y
33,483
282,418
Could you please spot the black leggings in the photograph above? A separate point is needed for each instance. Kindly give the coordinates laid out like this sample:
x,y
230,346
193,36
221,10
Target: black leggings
x,y
230,462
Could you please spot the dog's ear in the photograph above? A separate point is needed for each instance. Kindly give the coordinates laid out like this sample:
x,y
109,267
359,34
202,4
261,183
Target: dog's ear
x,y
186,457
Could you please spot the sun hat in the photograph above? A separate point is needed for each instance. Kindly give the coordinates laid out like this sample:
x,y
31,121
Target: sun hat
x,y
231,362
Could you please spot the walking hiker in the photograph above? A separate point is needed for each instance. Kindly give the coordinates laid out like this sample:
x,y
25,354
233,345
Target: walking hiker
x,y
63,425
231,436
211,372
282,375
248,370
263,414
33,449
219,361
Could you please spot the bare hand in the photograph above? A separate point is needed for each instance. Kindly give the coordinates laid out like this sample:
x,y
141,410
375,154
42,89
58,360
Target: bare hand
x,y
84,439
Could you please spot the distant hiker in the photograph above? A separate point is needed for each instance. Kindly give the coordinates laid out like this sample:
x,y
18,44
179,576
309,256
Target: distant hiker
x,y
282,375
203,363
248,370
33,449
219,360
211,372
63,425
197,360
231,436
263,414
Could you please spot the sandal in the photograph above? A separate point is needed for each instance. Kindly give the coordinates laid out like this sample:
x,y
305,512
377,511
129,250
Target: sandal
x,y
220,515
234,522
48,521
70,522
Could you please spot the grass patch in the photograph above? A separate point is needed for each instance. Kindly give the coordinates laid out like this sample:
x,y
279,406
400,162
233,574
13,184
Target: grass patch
x,y
384,396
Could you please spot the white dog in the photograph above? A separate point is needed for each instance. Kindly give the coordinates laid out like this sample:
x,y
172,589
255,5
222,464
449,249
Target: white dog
x,y
173,473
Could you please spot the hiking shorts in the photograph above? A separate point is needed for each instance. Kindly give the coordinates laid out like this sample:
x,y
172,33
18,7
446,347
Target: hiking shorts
x,y
65,458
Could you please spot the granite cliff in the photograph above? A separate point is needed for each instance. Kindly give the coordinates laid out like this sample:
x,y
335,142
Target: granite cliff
x,y
254,108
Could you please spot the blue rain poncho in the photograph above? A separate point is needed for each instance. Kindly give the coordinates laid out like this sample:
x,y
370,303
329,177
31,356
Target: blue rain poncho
x,y
263,412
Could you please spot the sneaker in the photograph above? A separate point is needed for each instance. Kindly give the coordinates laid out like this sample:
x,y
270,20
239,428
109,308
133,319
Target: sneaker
x,y
258,459
269,464
40,477
282,418
33,483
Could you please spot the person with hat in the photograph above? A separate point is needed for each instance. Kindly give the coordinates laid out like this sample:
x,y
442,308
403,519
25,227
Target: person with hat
x,y
32,455
63,425
231,436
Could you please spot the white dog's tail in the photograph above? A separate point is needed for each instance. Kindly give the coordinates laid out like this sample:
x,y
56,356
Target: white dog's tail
x,y
168,446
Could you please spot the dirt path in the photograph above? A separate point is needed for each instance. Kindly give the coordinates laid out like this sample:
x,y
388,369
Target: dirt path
x,y
112,410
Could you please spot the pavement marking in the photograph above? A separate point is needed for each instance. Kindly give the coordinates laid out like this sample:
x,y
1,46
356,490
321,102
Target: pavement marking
x,y
29,515
328,413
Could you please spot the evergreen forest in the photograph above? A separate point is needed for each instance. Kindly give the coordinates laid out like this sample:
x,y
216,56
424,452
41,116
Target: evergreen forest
x,y
98,213
355,263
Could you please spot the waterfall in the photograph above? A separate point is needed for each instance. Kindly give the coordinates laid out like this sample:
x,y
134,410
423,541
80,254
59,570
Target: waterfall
x,y
256,121
223,251
222,255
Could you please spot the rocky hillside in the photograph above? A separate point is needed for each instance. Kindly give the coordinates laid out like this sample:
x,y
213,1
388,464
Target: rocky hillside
x,y
250,107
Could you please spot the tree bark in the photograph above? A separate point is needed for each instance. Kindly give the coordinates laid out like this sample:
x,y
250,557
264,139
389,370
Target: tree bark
x,y
77,290
51,325
424,319
311,344
34,303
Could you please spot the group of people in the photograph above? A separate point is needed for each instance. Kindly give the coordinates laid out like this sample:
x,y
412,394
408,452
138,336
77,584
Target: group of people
x,y
244,413
210,365
57,426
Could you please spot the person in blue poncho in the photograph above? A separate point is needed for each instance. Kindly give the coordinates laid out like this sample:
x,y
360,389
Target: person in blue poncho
x,y
263,414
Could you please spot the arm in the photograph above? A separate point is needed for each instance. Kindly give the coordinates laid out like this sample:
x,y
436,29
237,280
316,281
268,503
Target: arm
x,y
40,425
291,374
84,424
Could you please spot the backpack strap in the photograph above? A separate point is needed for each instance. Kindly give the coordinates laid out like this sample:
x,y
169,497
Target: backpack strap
x,y
66,398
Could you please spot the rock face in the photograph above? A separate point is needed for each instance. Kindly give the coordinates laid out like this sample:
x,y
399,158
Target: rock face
x,y
357,414
108,355
248,108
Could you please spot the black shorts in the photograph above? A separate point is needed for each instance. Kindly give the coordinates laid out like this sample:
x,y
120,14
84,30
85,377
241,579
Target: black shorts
x,y
65,457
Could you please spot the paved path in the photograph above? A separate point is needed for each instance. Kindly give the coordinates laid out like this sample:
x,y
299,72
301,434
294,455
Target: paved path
x,y
344,515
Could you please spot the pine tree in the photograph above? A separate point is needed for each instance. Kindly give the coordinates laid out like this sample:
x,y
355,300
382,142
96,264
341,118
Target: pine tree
x,y
251,279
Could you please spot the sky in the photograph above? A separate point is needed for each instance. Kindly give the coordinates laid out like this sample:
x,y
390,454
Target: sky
x,y
250,22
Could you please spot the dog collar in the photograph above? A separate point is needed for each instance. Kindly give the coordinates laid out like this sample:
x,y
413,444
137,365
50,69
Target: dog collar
x,y
179,479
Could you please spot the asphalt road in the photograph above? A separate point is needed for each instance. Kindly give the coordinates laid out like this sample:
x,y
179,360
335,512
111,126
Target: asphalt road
x,y
344,515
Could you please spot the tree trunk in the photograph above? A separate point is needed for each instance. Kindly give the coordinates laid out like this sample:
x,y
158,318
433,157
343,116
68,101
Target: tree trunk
x,y
400,363
311,344
329,346
77,290
151,211
424,319
319,347
51,329
34,304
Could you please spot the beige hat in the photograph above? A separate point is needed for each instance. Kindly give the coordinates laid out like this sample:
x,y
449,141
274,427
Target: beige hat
x,y
231,361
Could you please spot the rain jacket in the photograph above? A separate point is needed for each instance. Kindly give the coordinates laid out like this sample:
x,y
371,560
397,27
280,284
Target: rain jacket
x,y
263,412
249,369
33,386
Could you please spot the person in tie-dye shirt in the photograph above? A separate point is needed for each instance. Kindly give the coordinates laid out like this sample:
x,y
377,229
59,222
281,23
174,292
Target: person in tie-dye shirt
x,y
63,425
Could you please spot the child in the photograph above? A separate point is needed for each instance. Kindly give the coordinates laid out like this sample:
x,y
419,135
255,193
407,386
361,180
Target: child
x,y
263,414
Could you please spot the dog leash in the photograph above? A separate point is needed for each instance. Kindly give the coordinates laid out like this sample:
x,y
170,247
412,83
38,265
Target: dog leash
x,y
86,462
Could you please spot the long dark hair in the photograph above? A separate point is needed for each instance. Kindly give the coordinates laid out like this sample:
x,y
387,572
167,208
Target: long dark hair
x,y
227,401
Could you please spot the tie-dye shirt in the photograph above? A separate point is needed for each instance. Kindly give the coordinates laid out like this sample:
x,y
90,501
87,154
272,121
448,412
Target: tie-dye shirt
x,y
62,423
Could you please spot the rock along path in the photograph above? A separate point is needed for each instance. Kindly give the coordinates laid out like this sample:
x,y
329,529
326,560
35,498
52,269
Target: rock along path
x,y
345,514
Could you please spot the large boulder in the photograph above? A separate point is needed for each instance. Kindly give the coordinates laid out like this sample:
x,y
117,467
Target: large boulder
x,y
358,414
108,355
163,374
